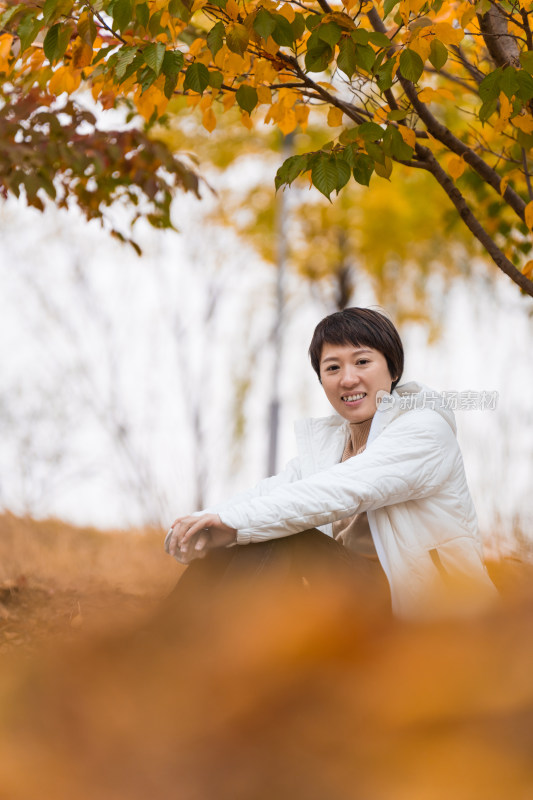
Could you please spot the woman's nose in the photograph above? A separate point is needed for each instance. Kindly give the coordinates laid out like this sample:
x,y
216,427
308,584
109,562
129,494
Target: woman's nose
x,y
349,377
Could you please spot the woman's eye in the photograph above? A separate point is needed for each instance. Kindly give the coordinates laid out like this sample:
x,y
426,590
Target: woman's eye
x,y
363,361
330,369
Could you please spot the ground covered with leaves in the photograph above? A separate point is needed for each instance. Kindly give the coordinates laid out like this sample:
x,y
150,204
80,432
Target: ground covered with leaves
x,y
113,688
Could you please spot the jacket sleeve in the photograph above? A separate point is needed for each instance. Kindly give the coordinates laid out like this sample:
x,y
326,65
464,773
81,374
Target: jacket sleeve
x,y
409,460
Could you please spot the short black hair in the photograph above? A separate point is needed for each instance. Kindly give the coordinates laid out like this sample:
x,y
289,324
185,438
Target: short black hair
x,y
360,327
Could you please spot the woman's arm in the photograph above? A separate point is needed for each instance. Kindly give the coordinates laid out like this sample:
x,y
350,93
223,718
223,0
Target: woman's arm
x,y
408,461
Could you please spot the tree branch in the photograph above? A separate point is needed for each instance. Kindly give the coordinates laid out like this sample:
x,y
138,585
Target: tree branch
x,y
476,73
472,223
444,135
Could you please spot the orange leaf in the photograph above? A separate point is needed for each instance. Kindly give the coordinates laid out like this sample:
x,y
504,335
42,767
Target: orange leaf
x,y
209,120
228,100
527,270
246,120
503,184
456,167
264,95
408,135
334,117
64,79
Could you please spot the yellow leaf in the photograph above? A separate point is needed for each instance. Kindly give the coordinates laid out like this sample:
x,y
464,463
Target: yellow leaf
x,y
228,100
528,215
64,79
246,120
302,116
287,11
380,114
287,123
264,71
448,34
209,120
426,95
82,53
408,135
524,122
456,167
205,102
503,184
197,5
232,9
421,45
196,46
527,270
149,101
5,49
270,46
234,64
334,117
264,95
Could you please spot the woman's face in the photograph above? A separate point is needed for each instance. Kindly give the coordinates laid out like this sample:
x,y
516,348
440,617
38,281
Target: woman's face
x,y
351,376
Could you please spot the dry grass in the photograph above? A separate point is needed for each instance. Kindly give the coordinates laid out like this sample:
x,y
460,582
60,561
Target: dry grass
x,y
270,693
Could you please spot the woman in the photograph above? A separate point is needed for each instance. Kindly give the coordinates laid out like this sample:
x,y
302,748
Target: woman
x,y
382,479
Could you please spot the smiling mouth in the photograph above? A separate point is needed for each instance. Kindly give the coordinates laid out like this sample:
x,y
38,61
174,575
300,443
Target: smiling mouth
x,y
351,398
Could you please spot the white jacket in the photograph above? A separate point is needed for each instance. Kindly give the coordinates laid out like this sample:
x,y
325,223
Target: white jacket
x,y
410,480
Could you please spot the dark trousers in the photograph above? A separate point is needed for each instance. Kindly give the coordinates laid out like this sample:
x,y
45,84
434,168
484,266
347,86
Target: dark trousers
x,y
310,560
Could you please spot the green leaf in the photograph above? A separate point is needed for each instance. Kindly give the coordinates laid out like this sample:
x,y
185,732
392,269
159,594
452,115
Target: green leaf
x,y
9,14
219,3
196,77
146,76
124,58
87,29
170,84
365,56
142,14
312,21
411,65
375,152
237,38
154,54
298,25
388,5
526,59
27,30
394,145
349,153
330,33
487,109
283,33
246,97
360,36
384,170
379,39
216,79
397,114
215,38
291,169
525,85
122,13
53,9
56,42
489,88
344,173
264,23
318,58
384,75
371,131
178,9
325,175
154,24
172,62
509,82
363,169
438,54
346,58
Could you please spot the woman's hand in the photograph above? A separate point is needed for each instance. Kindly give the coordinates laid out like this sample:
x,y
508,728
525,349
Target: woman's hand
x,y
191,537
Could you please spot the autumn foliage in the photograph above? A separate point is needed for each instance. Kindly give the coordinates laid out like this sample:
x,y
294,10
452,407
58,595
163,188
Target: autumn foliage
x,y
309,695
440,85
